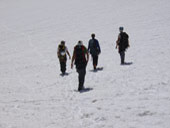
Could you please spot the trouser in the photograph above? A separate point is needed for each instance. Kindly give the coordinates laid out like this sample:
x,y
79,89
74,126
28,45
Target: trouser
x,y
63,66
81,78
95,60
122,57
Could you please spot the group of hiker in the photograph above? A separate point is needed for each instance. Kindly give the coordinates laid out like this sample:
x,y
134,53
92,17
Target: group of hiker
x,y
81,54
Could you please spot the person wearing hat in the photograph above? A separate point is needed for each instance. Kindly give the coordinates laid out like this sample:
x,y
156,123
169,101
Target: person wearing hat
x,y
80,59
62,53
94,49
122,44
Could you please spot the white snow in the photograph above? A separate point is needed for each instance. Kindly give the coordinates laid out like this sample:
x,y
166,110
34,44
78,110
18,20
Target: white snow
x,y
34,95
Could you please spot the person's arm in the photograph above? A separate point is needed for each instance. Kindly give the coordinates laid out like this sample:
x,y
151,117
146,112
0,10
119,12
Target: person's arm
x,y
87,56
58,52
89,46
117,42
73,58
128,44
68,53
98,46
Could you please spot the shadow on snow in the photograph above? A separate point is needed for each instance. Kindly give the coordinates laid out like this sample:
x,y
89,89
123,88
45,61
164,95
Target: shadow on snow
x,y
84,90
97,69
65,74
127,63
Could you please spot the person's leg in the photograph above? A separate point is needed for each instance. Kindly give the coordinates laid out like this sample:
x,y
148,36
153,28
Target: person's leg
x,y
81,77
122,56
63,66
95,61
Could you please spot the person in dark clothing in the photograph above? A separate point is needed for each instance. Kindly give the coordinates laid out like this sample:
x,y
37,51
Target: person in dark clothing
x,y
61,52
80,59
94,49
122,44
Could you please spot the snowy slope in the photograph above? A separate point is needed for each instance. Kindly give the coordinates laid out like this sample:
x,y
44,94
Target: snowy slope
x,y
32,92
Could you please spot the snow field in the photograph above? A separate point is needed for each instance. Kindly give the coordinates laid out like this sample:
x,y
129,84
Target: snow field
x,y
32,92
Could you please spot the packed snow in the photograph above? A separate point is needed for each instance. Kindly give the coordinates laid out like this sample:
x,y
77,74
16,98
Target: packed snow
x,y
33,94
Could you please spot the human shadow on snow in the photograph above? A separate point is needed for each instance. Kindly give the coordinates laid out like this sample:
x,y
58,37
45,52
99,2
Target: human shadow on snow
x,y
127,63
85,90
65,74
97,69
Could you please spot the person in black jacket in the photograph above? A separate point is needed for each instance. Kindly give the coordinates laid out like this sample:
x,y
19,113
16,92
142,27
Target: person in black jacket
x,y
122,44
80,59
94,49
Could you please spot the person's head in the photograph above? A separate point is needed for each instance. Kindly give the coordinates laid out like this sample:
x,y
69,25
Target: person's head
x,y
80,43
93,35
121,29
62,42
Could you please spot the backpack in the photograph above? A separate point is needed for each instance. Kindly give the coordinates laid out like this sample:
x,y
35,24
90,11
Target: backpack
x,y
94,47
124,40
62,52
80,60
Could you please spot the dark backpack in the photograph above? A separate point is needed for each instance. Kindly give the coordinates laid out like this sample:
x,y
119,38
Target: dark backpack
x,y
94,47
80,59
124,40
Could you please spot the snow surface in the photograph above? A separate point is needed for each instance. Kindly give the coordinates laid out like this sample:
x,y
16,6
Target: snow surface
x,y
33,94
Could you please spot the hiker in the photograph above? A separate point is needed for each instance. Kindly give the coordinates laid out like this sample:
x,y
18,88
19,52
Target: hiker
x,y
61,52
122,44
94,49
80,59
